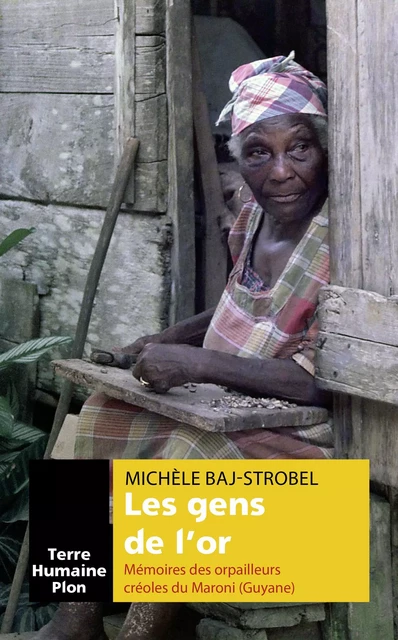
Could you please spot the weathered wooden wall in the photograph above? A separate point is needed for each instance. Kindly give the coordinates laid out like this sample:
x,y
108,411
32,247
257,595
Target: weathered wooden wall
x,y
363,82
363,39
76,80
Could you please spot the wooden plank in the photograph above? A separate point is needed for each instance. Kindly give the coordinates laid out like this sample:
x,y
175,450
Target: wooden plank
x,y
180,164
393,498
359,314
182,405
125,88
151,125
150,75
368,621
214,250
48,46
344,174
374,436
19,310
378,26
358,367
57,148
150,187
140,104
378,126
150,17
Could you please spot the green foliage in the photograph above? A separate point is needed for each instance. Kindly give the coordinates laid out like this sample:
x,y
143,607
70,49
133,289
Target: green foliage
x,y
30,351
14,238
30,616
19,443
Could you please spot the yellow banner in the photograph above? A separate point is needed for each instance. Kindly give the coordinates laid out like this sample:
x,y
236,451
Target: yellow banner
x,y
241,530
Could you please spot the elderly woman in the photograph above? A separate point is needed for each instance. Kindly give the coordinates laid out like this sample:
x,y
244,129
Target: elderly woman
x,y
260,339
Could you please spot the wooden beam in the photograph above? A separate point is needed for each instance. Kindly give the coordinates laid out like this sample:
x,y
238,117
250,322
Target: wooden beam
x,y
344,165
125,80
378,99
359,314
140,99
180,164
215,252
358,367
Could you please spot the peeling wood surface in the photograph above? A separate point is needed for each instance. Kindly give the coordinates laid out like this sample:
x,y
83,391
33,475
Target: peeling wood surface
x,y
359,314
48,46
357,367
182,405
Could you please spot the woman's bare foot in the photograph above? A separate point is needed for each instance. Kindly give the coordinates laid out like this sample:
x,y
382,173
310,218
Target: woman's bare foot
x,y
75,621
148,620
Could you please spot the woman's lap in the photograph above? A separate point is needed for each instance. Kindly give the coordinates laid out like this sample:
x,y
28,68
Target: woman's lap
x,y
112,429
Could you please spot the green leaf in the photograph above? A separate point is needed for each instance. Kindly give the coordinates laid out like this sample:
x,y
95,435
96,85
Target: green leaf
x,y
6,418
14,238
14,469
19,508
27,621
9,552
43,613
12,397
31,350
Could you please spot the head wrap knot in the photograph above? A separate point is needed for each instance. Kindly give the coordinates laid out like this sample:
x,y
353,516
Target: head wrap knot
x,y
272,87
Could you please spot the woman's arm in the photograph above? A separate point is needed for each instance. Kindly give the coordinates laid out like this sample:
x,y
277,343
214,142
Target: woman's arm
x,y
190,331
166,366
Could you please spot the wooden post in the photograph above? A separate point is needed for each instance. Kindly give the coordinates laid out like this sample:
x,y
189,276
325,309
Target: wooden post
x,y
215,253
180,164
362,47
140,99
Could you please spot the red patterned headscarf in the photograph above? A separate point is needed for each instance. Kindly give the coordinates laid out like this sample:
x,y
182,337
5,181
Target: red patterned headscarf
x,y
272,87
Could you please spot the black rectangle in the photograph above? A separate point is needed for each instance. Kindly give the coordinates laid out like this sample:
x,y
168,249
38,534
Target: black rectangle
x,y
70,538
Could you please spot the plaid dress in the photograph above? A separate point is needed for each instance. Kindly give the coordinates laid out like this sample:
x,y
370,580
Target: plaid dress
x,y
250,322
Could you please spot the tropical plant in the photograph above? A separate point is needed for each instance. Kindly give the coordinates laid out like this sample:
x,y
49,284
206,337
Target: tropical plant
x,y
19,443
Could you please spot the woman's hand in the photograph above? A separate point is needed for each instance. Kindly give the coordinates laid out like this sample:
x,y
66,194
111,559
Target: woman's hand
x,y
190,331
126,357
164,366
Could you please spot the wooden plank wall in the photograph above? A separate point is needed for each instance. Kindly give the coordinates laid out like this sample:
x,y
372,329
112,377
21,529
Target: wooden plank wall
x,y
363,82
77,78
58,94
364,184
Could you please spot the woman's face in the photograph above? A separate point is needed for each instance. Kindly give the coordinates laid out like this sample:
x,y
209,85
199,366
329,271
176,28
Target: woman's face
x,y
284,166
